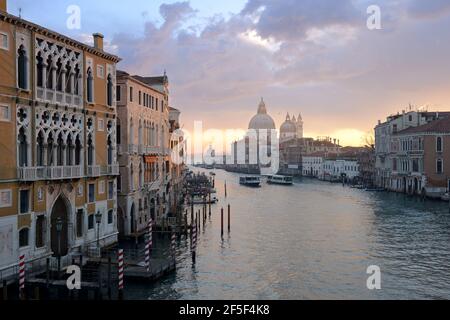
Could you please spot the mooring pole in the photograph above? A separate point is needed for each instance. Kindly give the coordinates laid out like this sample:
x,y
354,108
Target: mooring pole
x,y
221,222
109,279
225,188
5,290
210,203
186,222
229,218
120,263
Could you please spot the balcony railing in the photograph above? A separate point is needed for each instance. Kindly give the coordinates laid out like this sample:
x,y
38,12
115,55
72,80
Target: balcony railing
x,y
49,173
93,171
111,170
58,97
152,150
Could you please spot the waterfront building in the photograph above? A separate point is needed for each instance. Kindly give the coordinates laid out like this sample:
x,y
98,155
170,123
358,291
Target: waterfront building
x,y
383,134
420,159
143,149
178,165
338,167
292,152
312,165
58,128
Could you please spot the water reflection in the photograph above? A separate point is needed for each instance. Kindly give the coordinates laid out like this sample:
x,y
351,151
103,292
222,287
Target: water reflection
x,y
313,240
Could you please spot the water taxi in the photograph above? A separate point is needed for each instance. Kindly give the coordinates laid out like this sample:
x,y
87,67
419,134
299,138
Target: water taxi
x,y
251,181
283,180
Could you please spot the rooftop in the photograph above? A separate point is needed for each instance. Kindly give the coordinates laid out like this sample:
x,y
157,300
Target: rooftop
x,y
436,126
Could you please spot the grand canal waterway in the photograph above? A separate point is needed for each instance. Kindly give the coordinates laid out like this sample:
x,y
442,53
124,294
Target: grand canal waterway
x,y
314,240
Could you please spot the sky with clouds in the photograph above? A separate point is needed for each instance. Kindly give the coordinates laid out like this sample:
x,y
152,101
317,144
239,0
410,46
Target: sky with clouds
x,y
316,57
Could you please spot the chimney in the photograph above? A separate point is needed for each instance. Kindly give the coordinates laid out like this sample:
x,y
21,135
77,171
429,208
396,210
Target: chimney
x,y
4,5
98,40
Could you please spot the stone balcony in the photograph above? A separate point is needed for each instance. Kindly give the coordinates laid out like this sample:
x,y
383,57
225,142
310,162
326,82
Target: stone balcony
x,y
49,173
93,171
58,97
110,170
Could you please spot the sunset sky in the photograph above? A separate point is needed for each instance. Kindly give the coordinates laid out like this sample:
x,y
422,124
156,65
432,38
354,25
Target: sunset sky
x,y
314,57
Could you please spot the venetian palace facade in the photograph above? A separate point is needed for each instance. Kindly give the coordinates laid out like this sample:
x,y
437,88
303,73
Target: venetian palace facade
x,y
58,164
144,155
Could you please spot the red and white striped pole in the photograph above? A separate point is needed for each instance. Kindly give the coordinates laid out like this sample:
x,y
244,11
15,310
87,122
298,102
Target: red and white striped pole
x,y
22,276
194,243
148,245
120,267
174,243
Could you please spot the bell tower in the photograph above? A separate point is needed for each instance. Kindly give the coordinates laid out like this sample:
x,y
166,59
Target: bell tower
x,y
299,125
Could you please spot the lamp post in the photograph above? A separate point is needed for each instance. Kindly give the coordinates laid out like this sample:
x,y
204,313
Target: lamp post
x,y
98,220
59,226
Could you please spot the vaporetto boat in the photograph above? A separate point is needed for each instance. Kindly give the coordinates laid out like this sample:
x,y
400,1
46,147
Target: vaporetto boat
x,y
250,181
282,180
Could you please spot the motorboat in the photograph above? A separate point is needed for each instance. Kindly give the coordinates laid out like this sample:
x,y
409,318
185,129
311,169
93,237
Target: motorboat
x,y
250,181
282,180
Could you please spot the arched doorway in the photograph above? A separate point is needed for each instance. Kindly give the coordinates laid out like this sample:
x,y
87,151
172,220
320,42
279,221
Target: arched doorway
x,y
132,219
59,240
120,222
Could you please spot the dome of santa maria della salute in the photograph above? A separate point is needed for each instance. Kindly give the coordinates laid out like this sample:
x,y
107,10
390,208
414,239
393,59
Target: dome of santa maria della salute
x,y
262,121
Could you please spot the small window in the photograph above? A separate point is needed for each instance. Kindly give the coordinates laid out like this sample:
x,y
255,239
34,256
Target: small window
x,y
80,220
118,93
101,187
110,216
111,190
91,193
100,71
4,41
24,237
40,231
140,97
24,196
439,144
131,94
90,222
5,198
101,125
5,113
439,166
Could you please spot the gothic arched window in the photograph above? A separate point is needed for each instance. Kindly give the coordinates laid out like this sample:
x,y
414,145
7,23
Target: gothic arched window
x,y
40,71
69,78
90,151
50,146
23,148
49,73
77,151
59,76
90,86
69,151
110,152
22,65
109,90
40,150
60,151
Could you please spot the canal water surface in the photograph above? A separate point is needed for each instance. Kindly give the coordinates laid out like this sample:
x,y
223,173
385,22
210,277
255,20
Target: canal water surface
x,y
313,240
